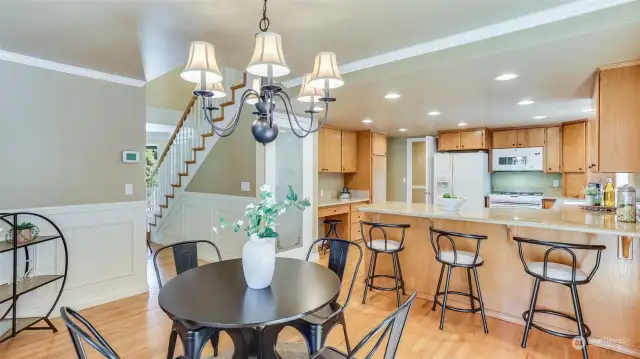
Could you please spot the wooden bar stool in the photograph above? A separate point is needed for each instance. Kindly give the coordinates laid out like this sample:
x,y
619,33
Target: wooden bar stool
x,y
567,275
383,245
333,230
455,258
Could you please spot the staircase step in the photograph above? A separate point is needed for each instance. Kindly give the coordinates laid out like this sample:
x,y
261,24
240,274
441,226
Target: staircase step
x,y
169,195
175,185
183,174
190,162
199,148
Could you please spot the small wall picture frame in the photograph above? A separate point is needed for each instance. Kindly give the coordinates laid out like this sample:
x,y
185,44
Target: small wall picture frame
x,y
130,156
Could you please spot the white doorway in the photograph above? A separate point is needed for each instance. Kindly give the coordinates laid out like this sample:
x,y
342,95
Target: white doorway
x,y
420,155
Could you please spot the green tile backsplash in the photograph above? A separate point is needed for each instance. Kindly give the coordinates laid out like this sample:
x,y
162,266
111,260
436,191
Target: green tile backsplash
x,y
527,182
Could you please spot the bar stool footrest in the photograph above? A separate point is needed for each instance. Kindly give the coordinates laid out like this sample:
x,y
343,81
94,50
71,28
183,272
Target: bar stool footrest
x,y
369,282
460,310
587,331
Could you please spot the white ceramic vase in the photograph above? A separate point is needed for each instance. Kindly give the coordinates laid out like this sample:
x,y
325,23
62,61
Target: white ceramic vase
x,y
259,261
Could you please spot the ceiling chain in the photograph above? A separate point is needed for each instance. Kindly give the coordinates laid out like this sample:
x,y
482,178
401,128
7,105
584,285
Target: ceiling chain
x,y
264,22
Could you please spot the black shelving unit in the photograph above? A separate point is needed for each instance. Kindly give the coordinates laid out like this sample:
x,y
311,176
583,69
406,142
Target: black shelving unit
x,y
13,291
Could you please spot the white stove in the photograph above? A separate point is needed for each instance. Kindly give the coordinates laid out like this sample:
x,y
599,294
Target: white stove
x,y
516,200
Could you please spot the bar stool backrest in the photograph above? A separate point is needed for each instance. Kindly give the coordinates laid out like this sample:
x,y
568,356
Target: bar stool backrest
x,y
564,247
382,228
437,235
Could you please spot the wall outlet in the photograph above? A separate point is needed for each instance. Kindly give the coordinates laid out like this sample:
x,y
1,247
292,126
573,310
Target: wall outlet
x,y
128,189
245,186
556,183
404,179
321,193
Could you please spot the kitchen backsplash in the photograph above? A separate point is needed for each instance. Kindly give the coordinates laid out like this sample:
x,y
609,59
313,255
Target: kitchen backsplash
x,y
329,185
527,182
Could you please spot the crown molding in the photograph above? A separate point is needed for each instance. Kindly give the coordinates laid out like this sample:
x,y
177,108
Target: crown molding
x,y
525,22
68,69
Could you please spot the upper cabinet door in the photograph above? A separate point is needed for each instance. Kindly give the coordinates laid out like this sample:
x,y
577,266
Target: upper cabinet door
x,y
333,150
553,150
574,147
619,116
472,140
449,141
349,151
531,137
505,139
379,144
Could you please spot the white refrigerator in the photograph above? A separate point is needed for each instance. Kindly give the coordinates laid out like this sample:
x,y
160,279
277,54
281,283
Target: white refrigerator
x,y
462,175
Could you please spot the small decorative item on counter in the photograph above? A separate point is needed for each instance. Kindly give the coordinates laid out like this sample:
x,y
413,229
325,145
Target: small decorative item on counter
x,y
451,203
626,211
609,194
597,200
590,194
27,232
345,194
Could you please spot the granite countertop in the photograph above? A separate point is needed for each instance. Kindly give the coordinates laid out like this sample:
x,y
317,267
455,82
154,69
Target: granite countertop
x,y
564,217
338,202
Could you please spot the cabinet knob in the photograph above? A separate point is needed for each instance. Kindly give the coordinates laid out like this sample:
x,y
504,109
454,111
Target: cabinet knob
x,y
549,168
579,168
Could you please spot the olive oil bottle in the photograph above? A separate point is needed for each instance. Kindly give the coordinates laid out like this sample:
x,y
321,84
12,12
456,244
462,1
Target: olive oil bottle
x,y
609,194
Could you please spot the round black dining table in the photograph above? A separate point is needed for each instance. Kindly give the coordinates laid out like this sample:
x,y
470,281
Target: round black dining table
x,y
215,296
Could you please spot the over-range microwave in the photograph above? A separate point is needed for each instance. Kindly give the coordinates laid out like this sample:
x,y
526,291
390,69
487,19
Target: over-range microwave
x,y
518,159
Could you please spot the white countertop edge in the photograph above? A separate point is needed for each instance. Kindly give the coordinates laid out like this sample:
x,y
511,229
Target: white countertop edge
x,y
339,202
573,228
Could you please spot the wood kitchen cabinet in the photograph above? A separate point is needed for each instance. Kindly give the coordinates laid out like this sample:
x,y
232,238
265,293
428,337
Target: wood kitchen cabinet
x,y
573,183
474,139
574,147
337,150
349,149
379,144
526,137
553,150
531,137
618,120
505,139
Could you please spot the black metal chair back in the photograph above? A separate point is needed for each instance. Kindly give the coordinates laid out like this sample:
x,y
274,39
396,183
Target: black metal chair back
x,y
382,228
338,256
185,256
90,336
437,235
563,247
391,327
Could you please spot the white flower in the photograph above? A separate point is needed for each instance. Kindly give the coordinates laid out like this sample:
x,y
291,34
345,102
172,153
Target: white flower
x,y
239,222
215,229
265,188
251,206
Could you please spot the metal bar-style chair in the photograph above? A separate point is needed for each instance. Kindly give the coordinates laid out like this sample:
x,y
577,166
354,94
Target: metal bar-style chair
x,y
455,258
185,257
567,275
90,335
392,327
381,246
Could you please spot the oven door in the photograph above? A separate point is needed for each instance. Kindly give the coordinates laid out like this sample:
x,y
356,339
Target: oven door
x,y
505,204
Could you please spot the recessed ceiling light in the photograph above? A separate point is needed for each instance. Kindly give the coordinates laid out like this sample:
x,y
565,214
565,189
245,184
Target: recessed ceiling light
x,y
588,110
462,124
402,129
392,96
433,113
539,117
506,77
525,102
367,120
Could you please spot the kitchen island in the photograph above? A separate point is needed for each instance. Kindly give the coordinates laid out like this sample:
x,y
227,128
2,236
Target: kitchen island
x,y
610,302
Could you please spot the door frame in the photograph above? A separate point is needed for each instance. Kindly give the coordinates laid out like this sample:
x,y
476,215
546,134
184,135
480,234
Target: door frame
x,y
409,179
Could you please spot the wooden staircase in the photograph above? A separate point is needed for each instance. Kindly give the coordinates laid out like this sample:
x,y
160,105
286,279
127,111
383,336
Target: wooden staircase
x,y
187,140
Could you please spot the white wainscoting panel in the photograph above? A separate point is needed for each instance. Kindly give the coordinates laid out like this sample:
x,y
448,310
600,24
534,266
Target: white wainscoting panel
x,y
196,214
107,256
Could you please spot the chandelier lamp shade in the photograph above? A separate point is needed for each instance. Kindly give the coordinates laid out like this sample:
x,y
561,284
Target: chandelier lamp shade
x,y
267,63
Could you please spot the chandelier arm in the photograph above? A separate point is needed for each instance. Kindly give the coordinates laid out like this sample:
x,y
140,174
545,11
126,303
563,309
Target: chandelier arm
x,y
310,130
228,130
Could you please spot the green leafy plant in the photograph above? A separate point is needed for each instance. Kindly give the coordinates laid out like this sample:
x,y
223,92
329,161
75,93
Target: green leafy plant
x,y
590,191
261,217
150,165
24,226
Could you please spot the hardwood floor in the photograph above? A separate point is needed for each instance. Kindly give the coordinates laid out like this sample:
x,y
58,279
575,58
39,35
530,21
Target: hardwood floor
x,y
137,328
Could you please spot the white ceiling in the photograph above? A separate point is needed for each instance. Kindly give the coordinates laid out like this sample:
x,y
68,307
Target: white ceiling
x,y
556,62
144,39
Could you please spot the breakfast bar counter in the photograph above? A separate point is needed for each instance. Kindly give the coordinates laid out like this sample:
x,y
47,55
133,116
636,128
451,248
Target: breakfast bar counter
x,y
610,302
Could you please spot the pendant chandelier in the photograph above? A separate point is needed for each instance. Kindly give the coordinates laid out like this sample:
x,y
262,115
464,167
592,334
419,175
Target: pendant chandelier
x,y
266,64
